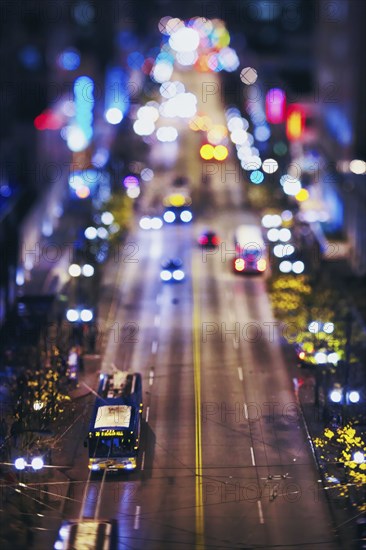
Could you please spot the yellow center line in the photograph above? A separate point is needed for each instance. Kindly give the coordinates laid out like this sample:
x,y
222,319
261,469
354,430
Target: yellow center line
x,y
200,544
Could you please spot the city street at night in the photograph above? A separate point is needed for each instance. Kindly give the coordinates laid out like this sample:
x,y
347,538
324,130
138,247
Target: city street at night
x,y
183,259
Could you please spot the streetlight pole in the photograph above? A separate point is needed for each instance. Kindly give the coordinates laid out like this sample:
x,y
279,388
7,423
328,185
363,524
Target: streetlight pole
x,y
347,358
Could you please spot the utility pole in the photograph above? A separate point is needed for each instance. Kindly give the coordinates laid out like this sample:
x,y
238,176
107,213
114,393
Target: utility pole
x,y
347,362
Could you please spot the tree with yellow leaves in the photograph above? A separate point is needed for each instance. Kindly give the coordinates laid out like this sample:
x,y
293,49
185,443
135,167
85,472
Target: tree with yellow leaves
x,y
345,446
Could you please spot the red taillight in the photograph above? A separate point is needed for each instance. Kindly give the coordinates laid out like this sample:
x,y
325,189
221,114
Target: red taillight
x,y
215,241
203,239
239,264
261,264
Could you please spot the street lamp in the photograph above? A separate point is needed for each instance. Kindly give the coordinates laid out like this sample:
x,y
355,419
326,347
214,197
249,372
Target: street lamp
x,y
359,457
338,395
316,326
21,463
353,396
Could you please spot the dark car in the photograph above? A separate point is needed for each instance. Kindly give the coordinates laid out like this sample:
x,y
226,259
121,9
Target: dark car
x,y
172,270
177,214
208,239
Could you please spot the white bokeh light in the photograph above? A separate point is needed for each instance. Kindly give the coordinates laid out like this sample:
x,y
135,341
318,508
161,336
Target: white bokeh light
x,y
114,115
184,40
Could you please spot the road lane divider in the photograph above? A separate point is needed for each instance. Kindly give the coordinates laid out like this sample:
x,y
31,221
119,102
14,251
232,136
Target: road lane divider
x,y
196,329
252,455
147,414
99,499
136,523
260,512
240,373
154,347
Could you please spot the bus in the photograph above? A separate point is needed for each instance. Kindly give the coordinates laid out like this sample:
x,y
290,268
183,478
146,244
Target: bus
x,y
177,207
250,250
87,534
114,432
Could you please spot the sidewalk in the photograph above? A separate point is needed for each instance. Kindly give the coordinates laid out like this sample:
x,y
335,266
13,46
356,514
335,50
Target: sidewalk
x,y
343,516
32,503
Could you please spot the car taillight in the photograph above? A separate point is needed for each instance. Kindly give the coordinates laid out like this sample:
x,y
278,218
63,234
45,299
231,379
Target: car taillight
x,y
215,241
261,264
239,264
203,239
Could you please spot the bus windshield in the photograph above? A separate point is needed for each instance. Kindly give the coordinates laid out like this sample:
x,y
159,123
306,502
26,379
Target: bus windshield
x,y
104,447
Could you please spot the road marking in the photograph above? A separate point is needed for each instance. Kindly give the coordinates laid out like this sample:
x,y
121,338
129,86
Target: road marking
x,y
261,520
147,414
252,455
151,377
154,347
240,372
235,344
136,523
83,501
246,411
196,327
157,321
99,500
143,461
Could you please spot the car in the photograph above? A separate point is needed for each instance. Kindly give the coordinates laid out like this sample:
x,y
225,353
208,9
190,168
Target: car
x,y
100,534
208,239
177,214
172,270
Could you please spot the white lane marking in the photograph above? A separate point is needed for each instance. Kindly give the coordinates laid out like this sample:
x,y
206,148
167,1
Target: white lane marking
x,y
246,411
147,414
99,500
157,321
151,377
154,347
261,520
252,455
143,461
235,344
83,501
240,372
158,298
136,523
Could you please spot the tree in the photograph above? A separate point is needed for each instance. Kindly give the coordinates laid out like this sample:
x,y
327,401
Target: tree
x,y
346,447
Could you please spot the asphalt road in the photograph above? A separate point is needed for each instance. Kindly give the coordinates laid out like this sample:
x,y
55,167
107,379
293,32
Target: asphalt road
x,y
224,462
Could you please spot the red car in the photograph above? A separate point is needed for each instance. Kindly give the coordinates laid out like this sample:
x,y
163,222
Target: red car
x,y
208,239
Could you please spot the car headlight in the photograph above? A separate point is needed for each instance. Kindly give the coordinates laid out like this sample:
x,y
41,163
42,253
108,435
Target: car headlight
x,y
156,223
169,216
145,223
178,274
186,216
95,467
165,275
